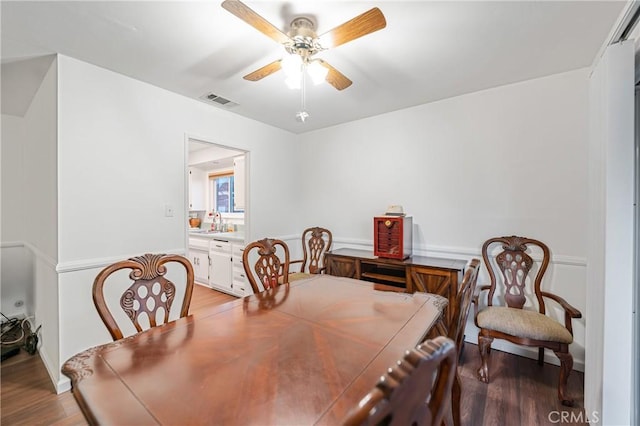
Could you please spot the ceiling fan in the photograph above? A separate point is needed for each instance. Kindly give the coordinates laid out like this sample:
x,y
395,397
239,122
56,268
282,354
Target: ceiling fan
x,y
303,41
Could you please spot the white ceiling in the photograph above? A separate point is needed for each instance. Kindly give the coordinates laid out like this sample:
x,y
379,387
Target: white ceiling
x,y
207,156
430,50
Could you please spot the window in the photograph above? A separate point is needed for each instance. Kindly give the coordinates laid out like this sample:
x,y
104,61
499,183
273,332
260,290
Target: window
x,y
222,188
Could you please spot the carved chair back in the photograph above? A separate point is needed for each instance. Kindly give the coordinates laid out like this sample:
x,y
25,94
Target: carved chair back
x,y
415,391
150,296
269,270
517,271
316,241
512,268
455,332
463,303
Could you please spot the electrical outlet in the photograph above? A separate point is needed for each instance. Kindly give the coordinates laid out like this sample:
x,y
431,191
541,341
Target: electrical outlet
x,y
168,210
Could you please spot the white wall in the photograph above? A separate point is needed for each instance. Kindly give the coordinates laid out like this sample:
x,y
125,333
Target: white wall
x,y
509,160
608,381
122,159
30,214
40,212
12,175
39,209
16,282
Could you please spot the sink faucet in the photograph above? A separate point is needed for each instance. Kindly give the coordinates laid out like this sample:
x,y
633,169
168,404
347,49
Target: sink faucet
x,y
217,221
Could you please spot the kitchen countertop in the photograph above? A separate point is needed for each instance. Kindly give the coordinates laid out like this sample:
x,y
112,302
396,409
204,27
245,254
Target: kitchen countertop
x,y
220,236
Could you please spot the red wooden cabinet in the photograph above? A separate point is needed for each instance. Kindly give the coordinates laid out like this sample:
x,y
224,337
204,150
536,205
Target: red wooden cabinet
x,y
392,236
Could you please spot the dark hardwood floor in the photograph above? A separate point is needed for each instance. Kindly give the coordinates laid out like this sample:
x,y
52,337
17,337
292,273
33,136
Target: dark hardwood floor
x,y
520,392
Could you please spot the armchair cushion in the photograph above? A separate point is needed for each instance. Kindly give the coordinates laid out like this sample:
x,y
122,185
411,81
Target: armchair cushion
x,y
523,323
295,276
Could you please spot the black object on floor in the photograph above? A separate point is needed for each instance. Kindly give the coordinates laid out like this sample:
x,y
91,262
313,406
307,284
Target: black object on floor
x,y
31,342
9,352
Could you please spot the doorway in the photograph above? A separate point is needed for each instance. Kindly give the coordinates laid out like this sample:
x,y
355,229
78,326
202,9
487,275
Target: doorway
x,y
217,187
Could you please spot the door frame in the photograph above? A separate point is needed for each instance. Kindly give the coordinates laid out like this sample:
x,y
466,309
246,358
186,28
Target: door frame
x,y
247,155
635,413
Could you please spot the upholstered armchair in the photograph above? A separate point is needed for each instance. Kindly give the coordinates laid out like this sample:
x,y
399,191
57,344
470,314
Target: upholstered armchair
x,y
510,319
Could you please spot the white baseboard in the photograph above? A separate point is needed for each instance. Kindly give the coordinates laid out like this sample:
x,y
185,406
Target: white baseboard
x,y
61,382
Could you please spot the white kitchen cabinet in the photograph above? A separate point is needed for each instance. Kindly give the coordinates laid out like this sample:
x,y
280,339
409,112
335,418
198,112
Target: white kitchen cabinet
x,y
199,257
200,261
218,264
220,272
197,189
240,282
239,185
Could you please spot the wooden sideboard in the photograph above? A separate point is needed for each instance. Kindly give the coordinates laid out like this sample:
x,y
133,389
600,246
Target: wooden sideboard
x,y
417,273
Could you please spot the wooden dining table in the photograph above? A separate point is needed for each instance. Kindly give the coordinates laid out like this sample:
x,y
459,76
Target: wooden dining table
x,y
300,354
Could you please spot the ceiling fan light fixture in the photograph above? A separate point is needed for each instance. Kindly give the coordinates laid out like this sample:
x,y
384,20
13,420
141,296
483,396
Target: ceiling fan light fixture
x,y
292,66
303,41
317,72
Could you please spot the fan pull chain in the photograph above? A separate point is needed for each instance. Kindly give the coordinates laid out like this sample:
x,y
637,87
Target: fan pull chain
x,y
303,86
302,115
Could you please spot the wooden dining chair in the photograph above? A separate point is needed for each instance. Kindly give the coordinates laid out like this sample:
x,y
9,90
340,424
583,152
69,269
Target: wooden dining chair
x,y
510,319
268,270
316,242
415,391
150,296
461,309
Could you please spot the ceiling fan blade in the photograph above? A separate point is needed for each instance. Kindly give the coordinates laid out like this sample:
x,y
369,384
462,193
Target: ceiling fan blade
x,y
366,23
261,73
335,77
245,13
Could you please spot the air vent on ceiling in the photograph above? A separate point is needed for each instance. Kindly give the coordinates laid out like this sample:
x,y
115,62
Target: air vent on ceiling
x,y
215,99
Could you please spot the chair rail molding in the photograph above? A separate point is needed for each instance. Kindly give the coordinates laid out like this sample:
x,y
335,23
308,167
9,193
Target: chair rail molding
x,y
450,251
36,251
83,264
